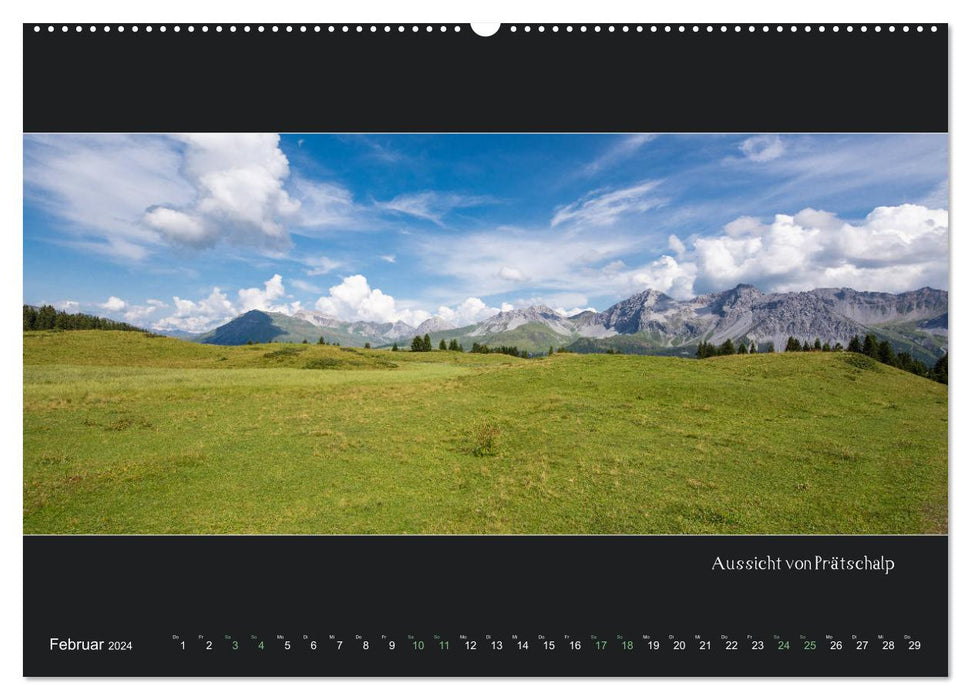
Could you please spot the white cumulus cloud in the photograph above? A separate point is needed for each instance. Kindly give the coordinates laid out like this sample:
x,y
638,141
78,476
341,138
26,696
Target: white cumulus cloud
x,y
239,193
354,300
198,316
137,313
469,311
217,308
114,304
263,299
666,275
894,248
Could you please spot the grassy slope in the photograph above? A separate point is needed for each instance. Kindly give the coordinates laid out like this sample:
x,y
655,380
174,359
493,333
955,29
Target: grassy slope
x,y
124,433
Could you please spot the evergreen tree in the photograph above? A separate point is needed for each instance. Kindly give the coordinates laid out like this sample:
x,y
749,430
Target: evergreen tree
x,y
752,349
742,348
726,348
320,340
771,347
870,345
939,371
885,353
417,345
551,351
805,346
855,345
442,345
792,345
304,341
426,343
394,348
905,362
30,318
367,346
46,317
826,347
838,347
706,349
817,345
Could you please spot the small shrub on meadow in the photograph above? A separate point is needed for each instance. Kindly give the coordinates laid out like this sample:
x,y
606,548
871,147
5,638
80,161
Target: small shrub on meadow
x,y
485,439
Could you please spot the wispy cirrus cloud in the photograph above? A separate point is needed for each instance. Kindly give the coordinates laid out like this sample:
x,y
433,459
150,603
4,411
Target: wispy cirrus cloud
x,y
846,168
305,286
605,207
508,259
326,205
432,206
321,265
99,188
380,151
625,148
762,148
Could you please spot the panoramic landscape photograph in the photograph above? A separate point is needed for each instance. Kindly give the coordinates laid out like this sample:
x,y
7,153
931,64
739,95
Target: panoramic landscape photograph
x,y
485,333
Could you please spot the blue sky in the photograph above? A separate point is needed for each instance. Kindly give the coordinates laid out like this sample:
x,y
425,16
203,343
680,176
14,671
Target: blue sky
x,y
186,231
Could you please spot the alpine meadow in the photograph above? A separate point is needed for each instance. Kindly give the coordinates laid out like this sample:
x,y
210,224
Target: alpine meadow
x,y
131,432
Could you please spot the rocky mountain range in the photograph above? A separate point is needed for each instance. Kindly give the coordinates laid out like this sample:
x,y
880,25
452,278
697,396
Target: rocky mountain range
x,y
746,313
649,322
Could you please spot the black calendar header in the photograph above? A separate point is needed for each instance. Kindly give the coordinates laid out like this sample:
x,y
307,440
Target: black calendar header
x,y
531,78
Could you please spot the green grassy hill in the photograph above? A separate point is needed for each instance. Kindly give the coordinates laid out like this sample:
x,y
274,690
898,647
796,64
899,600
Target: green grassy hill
x,y
126,432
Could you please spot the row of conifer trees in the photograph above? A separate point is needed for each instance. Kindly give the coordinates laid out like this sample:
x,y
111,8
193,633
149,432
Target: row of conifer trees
x,y
47,318
706,349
